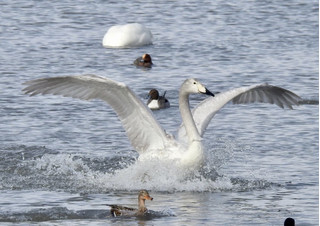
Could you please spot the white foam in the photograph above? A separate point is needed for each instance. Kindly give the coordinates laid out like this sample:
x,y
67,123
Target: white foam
x,y
84,174
154,175
158,177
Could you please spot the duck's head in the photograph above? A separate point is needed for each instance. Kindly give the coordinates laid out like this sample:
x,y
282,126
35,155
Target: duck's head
x,y
153,94
192,85
144,195
146,58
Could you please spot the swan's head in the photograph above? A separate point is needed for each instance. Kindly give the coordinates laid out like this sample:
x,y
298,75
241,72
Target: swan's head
x,y
192,85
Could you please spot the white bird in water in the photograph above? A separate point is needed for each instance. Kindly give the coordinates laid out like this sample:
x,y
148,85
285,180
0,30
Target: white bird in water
x,y
147,137
127,35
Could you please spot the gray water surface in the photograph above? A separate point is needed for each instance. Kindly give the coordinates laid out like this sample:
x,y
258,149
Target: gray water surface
x,y
62,160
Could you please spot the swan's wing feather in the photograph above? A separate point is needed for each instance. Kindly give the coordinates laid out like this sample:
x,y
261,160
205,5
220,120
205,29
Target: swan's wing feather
x,y
265,93
142,129
262,93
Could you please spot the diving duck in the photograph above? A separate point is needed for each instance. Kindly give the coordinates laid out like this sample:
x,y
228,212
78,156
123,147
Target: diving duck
x,y
144,61
156,101
127,211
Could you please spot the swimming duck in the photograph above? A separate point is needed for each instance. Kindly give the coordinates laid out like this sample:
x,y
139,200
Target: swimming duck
x,y
144,61
117,210
156,101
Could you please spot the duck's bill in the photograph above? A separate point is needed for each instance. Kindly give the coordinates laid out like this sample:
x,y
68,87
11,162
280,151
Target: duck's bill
x,y
149,198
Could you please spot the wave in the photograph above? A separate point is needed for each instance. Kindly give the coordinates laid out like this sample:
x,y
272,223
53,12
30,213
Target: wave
x,y
59,213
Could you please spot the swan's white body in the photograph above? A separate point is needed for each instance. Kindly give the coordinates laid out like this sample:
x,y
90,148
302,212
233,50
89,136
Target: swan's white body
x,y
144,132
127,35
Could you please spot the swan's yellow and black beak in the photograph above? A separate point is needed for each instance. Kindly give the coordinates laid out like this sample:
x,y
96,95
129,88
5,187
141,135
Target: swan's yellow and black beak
x,y
202,89
208,93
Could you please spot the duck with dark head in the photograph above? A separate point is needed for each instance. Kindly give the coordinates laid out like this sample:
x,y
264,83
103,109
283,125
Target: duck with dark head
x,y
156,102
144,61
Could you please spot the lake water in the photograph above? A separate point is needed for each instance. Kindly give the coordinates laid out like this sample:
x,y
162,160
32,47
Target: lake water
x,y
63,160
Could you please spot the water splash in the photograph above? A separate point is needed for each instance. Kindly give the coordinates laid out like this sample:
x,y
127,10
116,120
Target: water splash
x,y
44,168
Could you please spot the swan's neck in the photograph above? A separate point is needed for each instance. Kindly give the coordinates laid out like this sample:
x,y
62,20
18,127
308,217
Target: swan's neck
x,y
189,124
141,204
193,157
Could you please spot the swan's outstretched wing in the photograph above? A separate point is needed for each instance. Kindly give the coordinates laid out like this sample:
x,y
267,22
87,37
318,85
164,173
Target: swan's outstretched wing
x,y
142,129
263,93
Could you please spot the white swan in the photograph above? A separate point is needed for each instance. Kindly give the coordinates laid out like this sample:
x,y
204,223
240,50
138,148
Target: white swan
x,y
127,35
145,134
